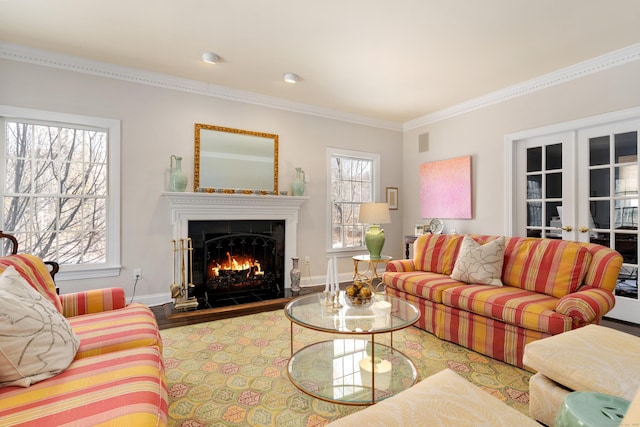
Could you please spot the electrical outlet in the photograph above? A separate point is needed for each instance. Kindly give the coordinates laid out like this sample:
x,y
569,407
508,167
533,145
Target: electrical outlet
x,y
137,273
307,260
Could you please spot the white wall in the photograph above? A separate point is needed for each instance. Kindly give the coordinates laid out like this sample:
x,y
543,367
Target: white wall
x,y
159,122
481,133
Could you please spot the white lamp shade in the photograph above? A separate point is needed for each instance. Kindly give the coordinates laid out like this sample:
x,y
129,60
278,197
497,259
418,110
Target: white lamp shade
x,y
374,213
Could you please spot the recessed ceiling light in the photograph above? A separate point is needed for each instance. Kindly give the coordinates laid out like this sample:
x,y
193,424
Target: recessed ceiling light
x,y
290,77
210,57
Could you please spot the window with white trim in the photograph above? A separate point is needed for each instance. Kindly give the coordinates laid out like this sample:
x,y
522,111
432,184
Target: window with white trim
x,y
353,179
59,196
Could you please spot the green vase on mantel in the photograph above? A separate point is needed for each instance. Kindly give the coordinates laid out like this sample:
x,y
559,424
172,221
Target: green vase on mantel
x,y
297,187
177,179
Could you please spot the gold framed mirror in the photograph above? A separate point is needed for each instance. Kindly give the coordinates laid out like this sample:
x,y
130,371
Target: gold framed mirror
x,y
231,160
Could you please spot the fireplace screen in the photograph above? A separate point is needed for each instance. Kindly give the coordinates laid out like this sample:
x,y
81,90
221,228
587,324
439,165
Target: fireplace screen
x,y
238,260
248,267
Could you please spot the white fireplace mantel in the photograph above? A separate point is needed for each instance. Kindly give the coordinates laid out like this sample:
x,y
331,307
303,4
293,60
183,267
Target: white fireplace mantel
x,y
187,207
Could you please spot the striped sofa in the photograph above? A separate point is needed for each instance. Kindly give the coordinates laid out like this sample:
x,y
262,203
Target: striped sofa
x,y
117,376
549,287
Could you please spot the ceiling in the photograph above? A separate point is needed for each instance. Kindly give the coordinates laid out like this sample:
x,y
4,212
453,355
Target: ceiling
x,y
393,60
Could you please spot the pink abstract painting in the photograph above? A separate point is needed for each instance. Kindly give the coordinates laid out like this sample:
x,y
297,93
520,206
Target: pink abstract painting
x,y
445,188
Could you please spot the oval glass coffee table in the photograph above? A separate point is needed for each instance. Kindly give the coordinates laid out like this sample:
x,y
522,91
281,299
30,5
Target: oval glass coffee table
x,y
349,368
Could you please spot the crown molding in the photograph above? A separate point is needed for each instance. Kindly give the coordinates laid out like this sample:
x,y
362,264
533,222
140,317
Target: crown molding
x,y
81,65
576,71
73,63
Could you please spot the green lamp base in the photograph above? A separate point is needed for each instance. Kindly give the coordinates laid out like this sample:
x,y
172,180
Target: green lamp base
x,y
374,239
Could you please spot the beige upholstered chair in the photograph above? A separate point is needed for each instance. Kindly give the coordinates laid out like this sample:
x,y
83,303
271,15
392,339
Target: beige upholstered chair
x,y
443,399
592,358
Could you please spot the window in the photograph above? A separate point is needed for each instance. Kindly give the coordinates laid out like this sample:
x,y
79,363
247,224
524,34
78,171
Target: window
x,y
59,192
353,179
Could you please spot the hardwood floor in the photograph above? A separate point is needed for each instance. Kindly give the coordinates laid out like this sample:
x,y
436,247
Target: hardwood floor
x,y
630,328
167,317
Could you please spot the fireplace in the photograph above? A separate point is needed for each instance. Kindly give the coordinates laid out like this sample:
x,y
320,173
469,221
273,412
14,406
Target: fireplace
x,y
241,230
237,261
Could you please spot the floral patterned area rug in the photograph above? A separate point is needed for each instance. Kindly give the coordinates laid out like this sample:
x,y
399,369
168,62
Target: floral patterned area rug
x,y
233,372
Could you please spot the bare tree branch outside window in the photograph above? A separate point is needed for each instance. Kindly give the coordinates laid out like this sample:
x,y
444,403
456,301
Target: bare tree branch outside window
x,y
351,184
56,189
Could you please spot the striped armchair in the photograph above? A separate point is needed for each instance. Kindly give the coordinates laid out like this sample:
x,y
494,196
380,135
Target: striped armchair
x,y
117,375
549,287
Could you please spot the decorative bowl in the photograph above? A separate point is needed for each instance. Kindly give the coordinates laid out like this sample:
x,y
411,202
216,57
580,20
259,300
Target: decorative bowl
x,y
359,302
360,294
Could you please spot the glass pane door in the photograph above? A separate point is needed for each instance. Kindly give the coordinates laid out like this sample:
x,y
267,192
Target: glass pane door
x,y
545,188
611,192
583,184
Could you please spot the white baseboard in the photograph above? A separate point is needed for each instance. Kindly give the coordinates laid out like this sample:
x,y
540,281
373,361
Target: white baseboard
x,y
152,299
306,282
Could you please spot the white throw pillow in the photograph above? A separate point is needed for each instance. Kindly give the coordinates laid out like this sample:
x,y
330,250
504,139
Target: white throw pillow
x,y
36,341
480,264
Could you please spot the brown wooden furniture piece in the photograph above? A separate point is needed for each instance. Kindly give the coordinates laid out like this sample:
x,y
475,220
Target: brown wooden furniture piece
x,y
55,267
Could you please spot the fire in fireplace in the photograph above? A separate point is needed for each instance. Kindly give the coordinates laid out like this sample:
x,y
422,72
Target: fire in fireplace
x,y
237,261
244,269
247,267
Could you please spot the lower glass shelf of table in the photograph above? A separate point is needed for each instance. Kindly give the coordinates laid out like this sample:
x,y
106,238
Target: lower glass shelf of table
x,y
344,371
352,368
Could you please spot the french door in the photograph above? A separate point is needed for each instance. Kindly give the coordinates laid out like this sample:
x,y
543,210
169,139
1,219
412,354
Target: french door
x,y
582,185
608,186
544,186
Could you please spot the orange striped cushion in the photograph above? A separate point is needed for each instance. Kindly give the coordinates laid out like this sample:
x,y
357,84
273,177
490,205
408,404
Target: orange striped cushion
x,y
605,267
93,301
420,283
436,252
36,273
117,389
546,266
400,265
511,305
109,331
587,306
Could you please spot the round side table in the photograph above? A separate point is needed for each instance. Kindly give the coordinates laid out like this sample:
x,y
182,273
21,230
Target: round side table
x,y
371,273
590,409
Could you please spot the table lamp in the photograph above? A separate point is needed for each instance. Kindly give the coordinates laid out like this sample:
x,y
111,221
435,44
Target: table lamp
x,y
374,214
